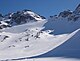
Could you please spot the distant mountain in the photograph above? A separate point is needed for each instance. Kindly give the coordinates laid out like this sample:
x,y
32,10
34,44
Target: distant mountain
x,y
70,15
65,21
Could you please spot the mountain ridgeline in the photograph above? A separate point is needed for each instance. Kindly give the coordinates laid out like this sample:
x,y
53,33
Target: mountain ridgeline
x,y
25,16
18,18
71,15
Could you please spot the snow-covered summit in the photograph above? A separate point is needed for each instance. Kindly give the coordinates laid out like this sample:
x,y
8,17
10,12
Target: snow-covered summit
x,y
27,14
21,17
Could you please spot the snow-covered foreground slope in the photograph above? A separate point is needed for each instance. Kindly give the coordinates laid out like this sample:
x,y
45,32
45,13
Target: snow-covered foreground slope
x,y
29,40
47,59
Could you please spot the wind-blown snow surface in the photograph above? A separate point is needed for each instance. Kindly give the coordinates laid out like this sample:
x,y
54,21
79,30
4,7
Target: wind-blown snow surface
x,y
29,40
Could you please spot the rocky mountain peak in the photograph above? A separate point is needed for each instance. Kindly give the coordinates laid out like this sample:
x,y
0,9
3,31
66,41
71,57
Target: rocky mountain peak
x,y
21,17
65,13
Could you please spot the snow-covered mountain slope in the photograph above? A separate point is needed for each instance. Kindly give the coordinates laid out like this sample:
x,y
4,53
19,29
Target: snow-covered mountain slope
x,y
69,49
24,27
25,42
27,34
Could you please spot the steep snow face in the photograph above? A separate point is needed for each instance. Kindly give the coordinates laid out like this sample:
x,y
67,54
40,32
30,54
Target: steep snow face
x,y
22,28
